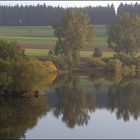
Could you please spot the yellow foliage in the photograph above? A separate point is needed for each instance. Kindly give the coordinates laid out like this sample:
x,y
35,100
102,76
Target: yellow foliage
x,y
129,70
115,65
50,78
49,66
30,74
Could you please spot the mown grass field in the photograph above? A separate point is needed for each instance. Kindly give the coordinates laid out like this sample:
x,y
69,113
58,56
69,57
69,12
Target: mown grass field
x,y
37,40
39,31
98,41
44,35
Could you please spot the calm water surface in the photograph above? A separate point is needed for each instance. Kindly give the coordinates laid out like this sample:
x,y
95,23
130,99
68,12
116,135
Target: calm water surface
x,y
76,107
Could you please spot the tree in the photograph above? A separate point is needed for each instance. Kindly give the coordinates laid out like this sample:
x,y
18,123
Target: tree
x,y
97,53
36,15
10,50
124,34
72,33
20,73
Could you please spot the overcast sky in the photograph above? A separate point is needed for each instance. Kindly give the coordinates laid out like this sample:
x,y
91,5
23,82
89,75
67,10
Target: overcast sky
x,y
67,3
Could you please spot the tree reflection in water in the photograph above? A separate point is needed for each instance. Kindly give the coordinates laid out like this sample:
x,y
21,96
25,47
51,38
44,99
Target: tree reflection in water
x,y
124,98
17,115
73,103
123,95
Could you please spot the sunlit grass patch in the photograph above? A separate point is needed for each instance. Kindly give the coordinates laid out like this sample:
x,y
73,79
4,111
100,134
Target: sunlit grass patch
x,y
36,52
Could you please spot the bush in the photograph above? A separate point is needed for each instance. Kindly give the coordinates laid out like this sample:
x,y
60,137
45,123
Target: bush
x,y
97,62
133,70
31,74
62,63
129,70
48,66
137,61
125,58
115,66
21,73
25,75
97,53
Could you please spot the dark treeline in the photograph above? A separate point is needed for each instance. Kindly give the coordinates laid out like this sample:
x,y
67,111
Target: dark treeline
x,y
129,8
47,15
42,15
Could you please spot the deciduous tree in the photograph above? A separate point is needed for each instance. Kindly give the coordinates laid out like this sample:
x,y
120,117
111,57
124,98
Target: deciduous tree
x,y
72,33
124,34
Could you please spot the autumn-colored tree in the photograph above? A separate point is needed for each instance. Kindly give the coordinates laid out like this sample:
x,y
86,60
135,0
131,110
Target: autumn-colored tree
x,y
124,34
20,73
73,32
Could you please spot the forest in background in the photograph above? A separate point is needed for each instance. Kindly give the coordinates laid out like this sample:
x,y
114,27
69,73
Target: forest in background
x,y
42,15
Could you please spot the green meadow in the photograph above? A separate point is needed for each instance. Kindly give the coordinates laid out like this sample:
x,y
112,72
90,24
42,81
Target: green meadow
x,y
44,35
36,36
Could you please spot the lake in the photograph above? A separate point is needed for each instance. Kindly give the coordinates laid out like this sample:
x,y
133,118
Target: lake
x,y
75,106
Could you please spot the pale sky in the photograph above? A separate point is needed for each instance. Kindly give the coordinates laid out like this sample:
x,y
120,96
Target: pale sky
x,y
68,3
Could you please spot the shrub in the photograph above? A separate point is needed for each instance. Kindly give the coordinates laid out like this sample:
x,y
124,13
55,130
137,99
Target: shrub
x,y
97,62
115,66
125,71
24,75
48,66
129,70
62,63
51,52
21,73
30,75
125,58
133,70
137,61
97,53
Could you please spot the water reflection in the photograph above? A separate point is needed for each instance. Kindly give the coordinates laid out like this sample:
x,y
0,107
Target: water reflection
x,y
17,115
73,103
73,99
124,98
